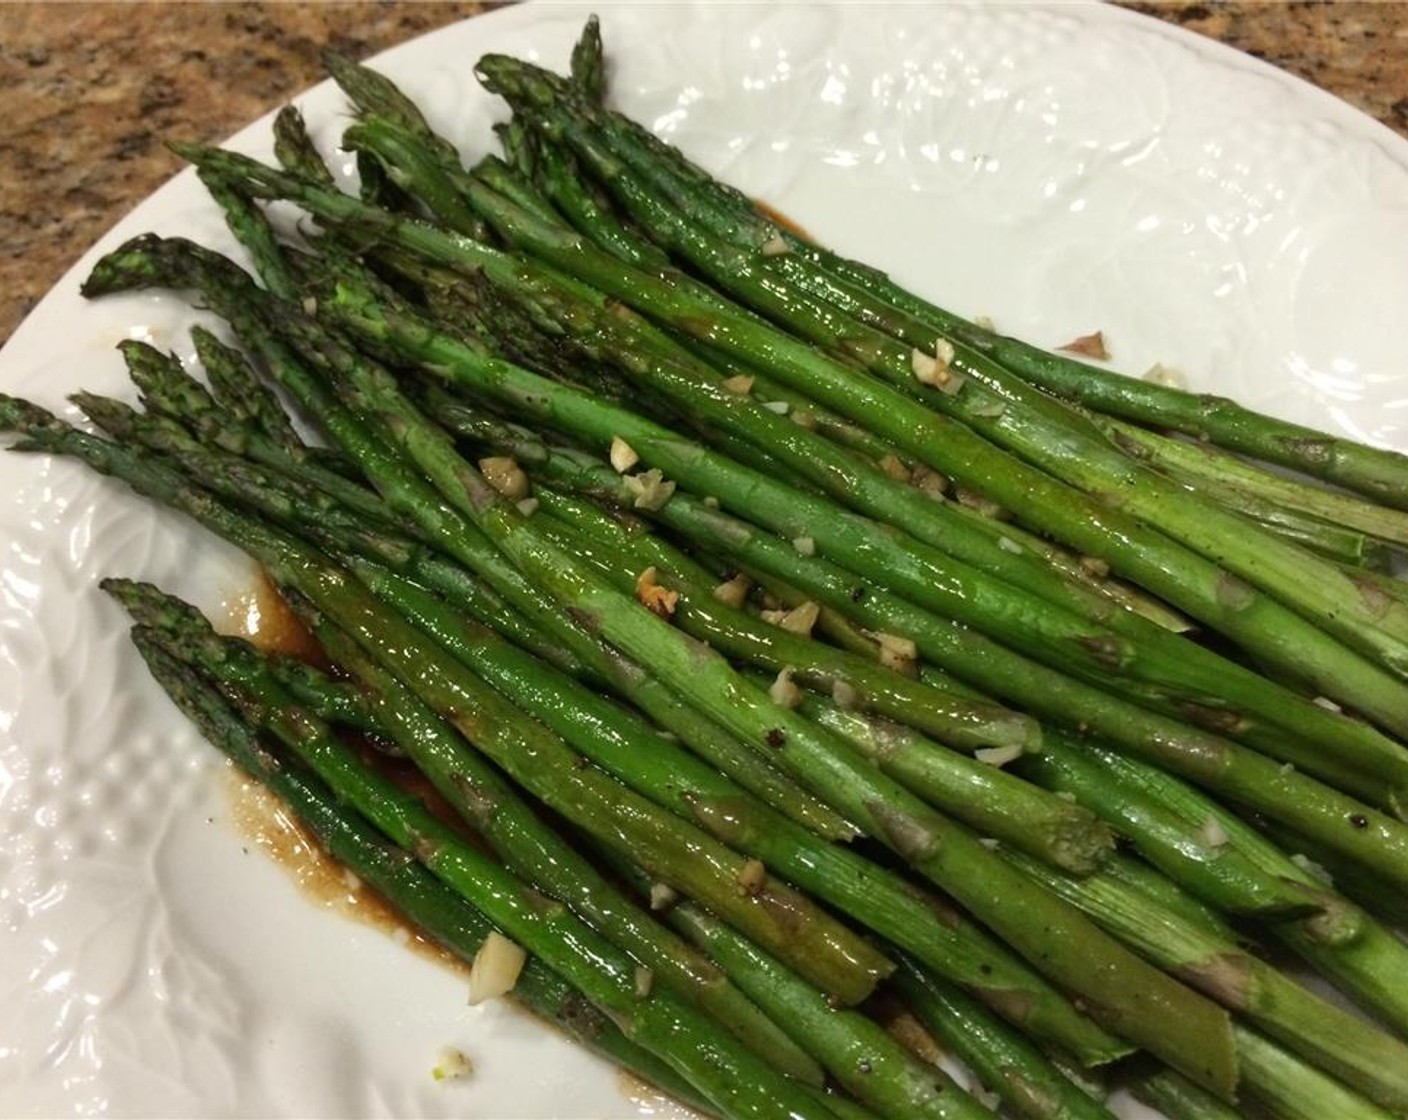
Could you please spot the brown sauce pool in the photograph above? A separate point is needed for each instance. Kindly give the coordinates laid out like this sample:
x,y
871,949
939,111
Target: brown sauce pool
x,y
261,616
778,217
266,824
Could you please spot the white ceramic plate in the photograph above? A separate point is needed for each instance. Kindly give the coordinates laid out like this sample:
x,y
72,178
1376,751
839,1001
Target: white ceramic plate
x,y
1061,169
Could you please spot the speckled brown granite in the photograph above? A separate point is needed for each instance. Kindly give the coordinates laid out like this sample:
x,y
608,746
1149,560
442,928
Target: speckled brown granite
x,y
89,91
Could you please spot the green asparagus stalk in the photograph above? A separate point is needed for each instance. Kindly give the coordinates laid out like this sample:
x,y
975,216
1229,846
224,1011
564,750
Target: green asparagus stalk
x,y
1379,473
1023,1079
575,200
833,953
546,929
857,1051
426,904
1288,1088
1333,1039
238,389
1364,959
1216,691
860,889
520,148
1359,955
295,150
500,177
1277,634
1239,773
1188,1031
1178,1098
939,849
799,519
449,358
976,793
248,225
1024,421
589,62
1203,465
477,791
303,509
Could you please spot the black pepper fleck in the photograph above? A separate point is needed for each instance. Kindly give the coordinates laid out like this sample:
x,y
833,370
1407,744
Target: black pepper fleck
x,y
776,737
857,594
1359,820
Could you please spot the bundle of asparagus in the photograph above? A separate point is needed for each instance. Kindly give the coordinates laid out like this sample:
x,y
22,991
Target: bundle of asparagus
x,y
788,648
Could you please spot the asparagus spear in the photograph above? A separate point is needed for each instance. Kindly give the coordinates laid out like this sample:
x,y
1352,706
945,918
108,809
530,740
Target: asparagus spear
x,y
1178,1098
1379,473
1359,956
589,62
546,929
1247,777
976,793
690,307
423,901
1151,1009
1168,821
315,513
1333,1039
294,148
856,887
827,950
1183,679
451,359
239,390
1292,1090
857,1051
1274,632
936,847
479,793
1006,1063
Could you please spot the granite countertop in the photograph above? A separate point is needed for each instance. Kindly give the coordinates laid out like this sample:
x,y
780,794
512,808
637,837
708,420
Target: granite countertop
x,y
91,90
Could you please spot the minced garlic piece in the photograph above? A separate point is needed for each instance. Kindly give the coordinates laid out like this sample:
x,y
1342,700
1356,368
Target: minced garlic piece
x,y
799,620
623,455
893,466
783,691
655,597
925,478
933,369
774,246
741,383
751,877
503,473
1094,566
897,653
805,546
649,489
1088,346
452,1065
998,756
1212,834
733,592
844,694
495,969
1160,374
662,896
